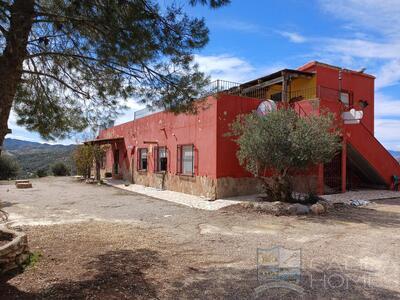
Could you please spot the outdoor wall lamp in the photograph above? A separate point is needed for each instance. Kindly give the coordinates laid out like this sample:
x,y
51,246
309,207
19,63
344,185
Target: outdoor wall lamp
x,y
363,103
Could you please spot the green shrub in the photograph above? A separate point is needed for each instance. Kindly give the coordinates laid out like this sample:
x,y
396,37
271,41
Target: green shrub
x,y
9,167
41,172
60,169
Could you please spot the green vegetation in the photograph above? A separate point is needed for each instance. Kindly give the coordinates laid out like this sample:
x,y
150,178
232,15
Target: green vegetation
x,y
283,143
32,260
41,172
84,157
9,167
33,157
60,169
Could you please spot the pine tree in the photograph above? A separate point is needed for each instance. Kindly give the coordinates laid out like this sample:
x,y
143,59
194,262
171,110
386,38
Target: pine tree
x,y
66,64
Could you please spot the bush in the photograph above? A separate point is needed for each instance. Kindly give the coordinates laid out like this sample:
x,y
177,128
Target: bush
x,y
59,169
9,167
41,172
83,157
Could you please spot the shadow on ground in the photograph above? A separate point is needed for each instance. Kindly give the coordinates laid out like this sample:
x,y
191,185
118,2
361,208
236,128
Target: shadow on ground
x,y
366,215
114,275
125,275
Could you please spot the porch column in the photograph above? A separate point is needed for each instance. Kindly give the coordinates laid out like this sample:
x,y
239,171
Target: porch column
x,y
285,85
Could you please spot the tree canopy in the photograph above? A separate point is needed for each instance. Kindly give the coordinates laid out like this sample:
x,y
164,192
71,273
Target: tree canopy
x,y
67,63
283,142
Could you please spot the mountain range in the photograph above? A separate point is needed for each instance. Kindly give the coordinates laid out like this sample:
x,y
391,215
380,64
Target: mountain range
x,y
32,156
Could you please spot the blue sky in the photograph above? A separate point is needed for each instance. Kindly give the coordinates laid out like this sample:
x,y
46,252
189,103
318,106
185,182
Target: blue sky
x,y
252,38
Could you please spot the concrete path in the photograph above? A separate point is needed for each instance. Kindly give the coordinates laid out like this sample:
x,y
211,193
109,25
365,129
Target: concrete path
x,y
176,197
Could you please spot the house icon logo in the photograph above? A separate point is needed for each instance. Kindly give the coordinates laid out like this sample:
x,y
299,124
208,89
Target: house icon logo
x,y
278,270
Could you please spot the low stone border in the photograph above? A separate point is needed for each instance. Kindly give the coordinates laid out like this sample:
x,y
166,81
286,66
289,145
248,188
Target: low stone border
x,y
278,208
15,253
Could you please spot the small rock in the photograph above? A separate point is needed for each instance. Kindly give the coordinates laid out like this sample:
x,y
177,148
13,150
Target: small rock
x,y
298,209
326,204
317,209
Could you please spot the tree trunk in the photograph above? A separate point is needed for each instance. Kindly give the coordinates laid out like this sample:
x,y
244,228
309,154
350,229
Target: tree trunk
x,y
14,54
97,170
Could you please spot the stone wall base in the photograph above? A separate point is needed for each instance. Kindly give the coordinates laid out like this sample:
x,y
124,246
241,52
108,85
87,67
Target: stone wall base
x,y
15,253
215,188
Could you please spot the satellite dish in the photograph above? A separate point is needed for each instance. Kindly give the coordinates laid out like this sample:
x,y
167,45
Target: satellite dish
x,y
353,116
266,107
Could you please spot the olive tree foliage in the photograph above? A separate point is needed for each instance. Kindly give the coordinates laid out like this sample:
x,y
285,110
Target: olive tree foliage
x,y
67,64
283,143
83,157
9,167
86,155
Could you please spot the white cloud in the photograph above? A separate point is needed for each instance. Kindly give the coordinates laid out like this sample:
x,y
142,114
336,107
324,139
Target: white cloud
x,y
293,36
389,74
128,114
362,48
380,16
374,29
238,25
226,67
232,68
386,107
387,132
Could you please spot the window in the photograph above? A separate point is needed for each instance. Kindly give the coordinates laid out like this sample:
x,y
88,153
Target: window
x,y
142,159
345,98
160,159
186,160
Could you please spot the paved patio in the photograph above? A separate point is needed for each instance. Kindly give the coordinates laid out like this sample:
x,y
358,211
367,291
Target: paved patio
x,y
176,197
208,204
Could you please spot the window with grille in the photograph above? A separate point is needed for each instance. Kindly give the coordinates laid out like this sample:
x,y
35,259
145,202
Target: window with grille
x,y
186,160
160,159
142,159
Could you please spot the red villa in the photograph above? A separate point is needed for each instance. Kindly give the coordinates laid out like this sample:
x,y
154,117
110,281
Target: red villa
x,y
191,154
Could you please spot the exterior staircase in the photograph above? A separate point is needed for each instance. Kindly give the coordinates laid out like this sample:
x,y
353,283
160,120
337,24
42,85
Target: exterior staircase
x,y
371,156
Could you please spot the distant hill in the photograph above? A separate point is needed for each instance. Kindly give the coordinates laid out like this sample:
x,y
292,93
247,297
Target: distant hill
x,y
33,156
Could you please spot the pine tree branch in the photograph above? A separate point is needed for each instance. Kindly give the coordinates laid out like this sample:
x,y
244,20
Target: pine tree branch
x,y
125,70
56,79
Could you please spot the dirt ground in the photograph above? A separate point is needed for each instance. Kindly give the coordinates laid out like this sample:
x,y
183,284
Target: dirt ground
x,y
97,242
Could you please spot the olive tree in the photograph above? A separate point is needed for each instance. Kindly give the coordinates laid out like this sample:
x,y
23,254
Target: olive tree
x,y
87,154
282,143
83,157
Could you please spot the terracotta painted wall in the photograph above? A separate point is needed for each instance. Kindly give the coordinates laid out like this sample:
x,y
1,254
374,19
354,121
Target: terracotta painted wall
x,y
362,86
170,130
228,108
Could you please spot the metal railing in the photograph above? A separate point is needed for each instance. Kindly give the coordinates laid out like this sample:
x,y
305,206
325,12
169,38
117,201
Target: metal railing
x,y
264,93
145,112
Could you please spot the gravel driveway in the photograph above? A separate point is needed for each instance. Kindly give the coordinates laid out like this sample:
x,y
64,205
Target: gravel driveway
x,y
97,242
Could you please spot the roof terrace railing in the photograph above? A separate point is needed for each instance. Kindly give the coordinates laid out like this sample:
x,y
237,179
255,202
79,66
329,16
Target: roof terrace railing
x,y
234,88
214,87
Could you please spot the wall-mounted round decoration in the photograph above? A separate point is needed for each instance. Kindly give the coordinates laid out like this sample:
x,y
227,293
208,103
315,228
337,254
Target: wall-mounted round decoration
x,y
265,107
